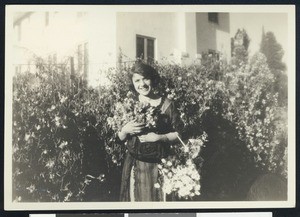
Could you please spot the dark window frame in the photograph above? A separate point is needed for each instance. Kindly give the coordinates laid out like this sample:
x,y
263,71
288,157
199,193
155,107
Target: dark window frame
x,y
213,17
146,46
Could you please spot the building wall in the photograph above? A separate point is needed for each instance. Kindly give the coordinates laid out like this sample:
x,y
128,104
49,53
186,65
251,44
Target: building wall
x,y
212,36
102,45
191,39
55,36
161,26
179,37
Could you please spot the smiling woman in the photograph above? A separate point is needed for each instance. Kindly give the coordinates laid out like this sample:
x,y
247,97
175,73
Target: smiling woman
x,y
86,124
147,146
141,84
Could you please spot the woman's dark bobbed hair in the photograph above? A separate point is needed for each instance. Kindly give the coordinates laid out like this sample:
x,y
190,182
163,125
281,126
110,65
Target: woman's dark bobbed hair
x,y
146,71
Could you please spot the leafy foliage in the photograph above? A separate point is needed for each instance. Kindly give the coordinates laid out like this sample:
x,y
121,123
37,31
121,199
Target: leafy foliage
x,y
254,109
56,131
274,54
239,47
63,147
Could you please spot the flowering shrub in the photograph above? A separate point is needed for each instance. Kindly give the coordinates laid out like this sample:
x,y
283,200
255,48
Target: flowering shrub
x,y
63,144
183,179
133,110
253,107
56,131
180,175
192,88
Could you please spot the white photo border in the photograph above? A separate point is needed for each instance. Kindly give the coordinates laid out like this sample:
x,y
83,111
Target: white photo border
x,y
291,63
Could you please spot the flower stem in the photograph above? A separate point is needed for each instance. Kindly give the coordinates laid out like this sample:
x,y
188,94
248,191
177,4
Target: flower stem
x,y
180,140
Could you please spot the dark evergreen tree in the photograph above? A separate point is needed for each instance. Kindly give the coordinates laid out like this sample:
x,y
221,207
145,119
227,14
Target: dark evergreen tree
x,y
274,54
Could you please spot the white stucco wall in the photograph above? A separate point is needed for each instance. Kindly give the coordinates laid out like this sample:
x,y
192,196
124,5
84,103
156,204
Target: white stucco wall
x,y
58,37
211,35
102,45
179,36
191,38
161,26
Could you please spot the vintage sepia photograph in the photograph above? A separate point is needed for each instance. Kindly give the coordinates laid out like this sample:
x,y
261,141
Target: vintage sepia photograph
x,y
149,107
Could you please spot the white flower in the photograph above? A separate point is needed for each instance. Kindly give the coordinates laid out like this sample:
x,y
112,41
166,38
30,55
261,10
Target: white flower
x,y
191,141
156,185
195,176
186,149
165,170
189,162
18,199
169,163
57,119
186,179
63,99
167,189
27,136
63,144
31,188
170,96
163,161
50,164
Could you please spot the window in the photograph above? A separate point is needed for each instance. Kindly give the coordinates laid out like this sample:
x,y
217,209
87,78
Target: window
x,y
145,48
213,17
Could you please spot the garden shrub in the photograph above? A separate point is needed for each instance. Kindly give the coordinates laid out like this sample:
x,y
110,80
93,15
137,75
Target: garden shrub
x,y
63,147
57,144
253,107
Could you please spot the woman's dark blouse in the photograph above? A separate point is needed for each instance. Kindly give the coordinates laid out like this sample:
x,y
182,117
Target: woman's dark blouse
x,y
168,121
152,152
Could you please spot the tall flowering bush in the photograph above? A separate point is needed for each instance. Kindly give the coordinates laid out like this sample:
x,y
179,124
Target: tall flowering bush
x,y
192,88
63,134
56,130
253,107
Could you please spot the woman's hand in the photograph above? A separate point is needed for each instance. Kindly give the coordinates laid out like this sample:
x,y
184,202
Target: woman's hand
x,y
130,128
151,137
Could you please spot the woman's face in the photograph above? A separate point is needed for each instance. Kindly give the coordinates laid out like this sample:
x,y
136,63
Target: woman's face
x,y
141,84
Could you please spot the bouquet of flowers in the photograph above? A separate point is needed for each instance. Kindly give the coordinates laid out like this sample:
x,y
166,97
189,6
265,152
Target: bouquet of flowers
x,y
179,172
133,110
